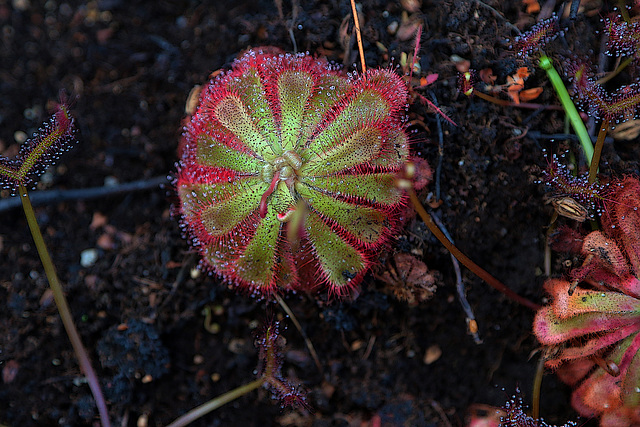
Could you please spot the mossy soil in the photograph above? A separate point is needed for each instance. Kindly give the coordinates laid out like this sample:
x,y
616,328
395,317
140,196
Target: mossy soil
x,y
139,309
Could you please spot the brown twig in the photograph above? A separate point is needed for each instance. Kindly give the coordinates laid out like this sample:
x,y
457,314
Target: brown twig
x,y
597,152
55,196
298,326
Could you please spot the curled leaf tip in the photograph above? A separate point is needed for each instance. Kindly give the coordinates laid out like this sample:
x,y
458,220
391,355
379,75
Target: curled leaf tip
x,y
40,151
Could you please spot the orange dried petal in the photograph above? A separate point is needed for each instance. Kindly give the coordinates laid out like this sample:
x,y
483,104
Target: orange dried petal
x,y
530,94
533,7
513,92
523,72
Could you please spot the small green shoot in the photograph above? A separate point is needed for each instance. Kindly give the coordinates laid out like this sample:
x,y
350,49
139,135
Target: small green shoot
x,y
569,107
34,157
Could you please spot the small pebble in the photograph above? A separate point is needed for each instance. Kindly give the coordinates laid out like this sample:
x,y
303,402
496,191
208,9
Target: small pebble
x,y
88,257
393,27
432,354
10,371
143,421
20,136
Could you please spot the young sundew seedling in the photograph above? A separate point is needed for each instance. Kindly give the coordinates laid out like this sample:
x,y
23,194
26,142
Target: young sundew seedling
x,y
529,43
611,107
289,170
38,152
35,156
573,195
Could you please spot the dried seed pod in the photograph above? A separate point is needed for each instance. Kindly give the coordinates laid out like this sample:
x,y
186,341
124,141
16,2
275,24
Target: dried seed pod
x,y
569,208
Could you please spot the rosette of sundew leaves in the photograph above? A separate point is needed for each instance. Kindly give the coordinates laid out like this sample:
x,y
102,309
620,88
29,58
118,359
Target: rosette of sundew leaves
x,y
34,157
592,324
288,172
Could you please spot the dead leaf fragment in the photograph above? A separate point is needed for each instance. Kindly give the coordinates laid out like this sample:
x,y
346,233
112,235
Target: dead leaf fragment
x,y
408,27
98,220
192,100
429,79
626,131
409,279
514,92
530,94
487,76
532,6
523,72
411,6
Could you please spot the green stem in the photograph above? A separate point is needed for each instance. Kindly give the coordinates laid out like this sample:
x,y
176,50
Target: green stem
x,y
465,260
569,107
593,169
63,307
215,403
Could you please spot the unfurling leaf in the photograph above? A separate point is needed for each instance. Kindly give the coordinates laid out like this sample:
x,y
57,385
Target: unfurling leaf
x,y
39,152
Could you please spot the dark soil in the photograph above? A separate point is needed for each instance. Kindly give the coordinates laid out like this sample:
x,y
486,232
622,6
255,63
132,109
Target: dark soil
x,y
132,65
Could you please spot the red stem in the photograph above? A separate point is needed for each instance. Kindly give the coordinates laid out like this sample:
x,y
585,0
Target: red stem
x,y
466,261
263,200
505,103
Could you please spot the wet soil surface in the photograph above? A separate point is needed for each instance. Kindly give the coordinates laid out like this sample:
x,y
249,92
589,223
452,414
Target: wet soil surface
x,y
131,65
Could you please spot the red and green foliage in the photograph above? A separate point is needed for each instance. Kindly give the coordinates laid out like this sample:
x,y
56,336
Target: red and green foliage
x,y
529,43
40,151
613,107
288,172
592,325
515,415
271,354
623,36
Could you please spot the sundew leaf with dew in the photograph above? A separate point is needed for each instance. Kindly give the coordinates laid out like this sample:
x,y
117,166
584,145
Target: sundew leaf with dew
x,y
613,107
294,91
40,151
218,208
379,188
339,261
211,152
364,223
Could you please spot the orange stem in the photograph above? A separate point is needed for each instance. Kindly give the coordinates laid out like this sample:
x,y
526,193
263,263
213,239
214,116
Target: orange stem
x,y
358,36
